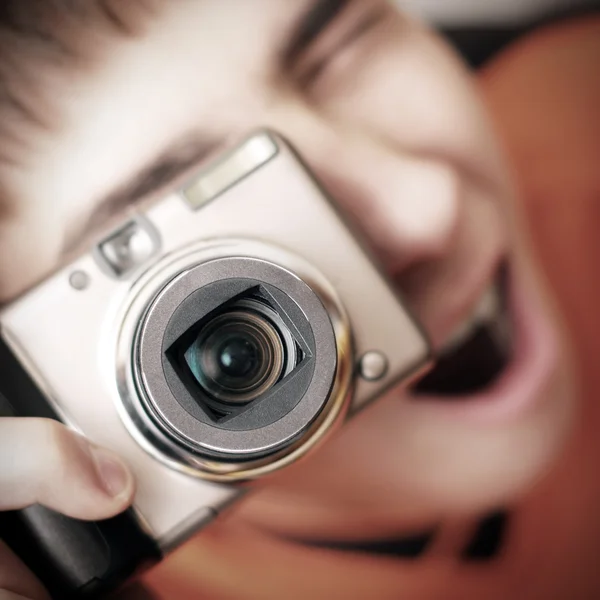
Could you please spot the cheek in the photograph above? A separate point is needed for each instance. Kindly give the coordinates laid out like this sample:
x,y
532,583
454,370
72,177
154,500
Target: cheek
x,y
411,91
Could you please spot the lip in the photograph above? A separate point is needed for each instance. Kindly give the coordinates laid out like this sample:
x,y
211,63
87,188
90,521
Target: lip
x,y
522,383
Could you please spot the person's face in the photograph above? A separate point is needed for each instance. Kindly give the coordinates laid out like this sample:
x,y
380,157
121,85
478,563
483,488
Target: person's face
x,y
388,120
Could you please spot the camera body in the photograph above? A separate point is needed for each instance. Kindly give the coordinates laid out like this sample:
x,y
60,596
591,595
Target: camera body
x,y
216,336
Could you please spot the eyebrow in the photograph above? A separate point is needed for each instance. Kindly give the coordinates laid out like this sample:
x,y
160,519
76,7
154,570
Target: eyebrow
x,y
319,16
169,166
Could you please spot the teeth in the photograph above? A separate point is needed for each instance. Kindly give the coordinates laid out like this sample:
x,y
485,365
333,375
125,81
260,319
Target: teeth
x,y
489,311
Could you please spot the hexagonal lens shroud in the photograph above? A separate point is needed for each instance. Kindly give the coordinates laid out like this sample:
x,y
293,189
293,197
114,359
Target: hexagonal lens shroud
x,y
260,302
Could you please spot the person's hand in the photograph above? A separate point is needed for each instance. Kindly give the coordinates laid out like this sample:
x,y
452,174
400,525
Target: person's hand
x,y
42,462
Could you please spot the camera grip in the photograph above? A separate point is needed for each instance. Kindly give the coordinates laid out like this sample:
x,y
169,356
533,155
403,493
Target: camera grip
x,y
72,558
77,559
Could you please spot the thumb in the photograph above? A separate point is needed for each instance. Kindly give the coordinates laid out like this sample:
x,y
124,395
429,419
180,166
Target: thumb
x,y
43,462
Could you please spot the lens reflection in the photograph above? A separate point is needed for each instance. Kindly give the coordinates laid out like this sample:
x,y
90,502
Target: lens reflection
x,y
237,356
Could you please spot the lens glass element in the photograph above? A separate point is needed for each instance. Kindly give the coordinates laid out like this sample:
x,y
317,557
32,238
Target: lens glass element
x,y
237,356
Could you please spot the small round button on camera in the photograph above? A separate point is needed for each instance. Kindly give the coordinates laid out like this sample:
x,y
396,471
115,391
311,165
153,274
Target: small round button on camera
x,y
79,280
373,366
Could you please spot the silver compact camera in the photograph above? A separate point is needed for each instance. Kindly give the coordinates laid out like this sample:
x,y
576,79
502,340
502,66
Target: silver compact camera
x,y
216,336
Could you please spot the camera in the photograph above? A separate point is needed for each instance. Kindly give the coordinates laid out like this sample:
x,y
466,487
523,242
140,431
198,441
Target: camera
x,y
213,338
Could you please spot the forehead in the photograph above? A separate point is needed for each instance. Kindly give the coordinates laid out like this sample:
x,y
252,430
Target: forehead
x,y
194,54
199,65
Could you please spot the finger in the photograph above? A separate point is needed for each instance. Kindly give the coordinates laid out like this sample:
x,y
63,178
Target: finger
x,y
43,462
16,581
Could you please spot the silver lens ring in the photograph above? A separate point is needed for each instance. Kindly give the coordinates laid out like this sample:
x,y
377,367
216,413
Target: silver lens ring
x,y
167,431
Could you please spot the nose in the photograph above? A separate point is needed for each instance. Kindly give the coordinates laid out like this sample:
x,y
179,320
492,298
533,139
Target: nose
x,y
407,206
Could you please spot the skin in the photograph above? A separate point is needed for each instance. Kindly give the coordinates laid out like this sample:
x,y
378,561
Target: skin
x,y
423,178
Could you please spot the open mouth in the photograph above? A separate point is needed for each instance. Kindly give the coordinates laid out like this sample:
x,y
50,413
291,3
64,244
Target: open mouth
x,y
500,359
479,350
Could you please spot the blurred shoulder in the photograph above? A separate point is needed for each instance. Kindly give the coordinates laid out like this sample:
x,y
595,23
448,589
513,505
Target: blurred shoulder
x,y
553,71
544,93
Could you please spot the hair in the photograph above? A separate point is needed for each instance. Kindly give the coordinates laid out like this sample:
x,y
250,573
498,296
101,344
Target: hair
x,y
42,40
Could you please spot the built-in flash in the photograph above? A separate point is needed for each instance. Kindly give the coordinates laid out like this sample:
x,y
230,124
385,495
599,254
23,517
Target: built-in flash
x,y
128,248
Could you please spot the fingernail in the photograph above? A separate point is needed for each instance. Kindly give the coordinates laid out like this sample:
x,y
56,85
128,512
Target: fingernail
x,y
113,473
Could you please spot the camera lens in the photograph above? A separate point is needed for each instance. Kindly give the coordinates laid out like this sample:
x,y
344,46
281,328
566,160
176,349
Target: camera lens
x,y
236,365
237,356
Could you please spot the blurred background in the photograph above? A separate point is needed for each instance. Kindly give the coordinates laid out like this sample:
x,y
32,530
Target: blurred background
x,y
448,13
479,29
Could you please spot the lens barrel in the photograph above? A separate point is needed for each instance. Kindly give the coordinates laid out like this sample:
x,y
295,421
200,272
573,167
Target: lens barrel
x,y
239,363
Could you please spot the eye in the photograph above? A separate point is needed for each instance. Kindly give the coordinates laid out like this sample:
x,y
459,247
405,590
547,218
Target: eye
x,y
356,22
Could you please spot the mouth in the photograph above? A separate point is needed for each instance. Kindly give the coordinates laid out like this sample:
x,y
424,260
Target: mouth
x,y
499,358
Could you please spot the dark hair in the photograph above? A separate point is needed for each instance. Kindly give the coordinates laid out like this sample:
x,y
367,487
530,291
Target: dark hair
x,y
39,40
